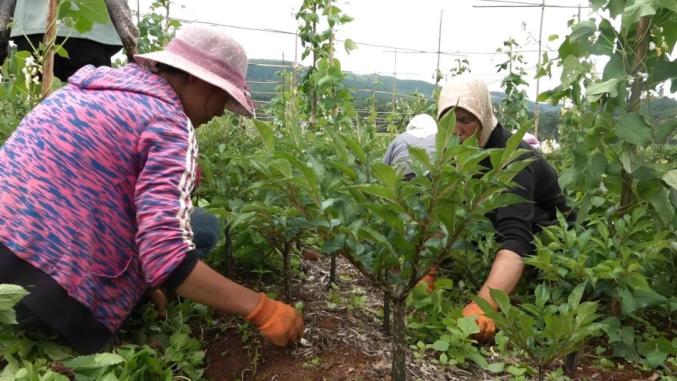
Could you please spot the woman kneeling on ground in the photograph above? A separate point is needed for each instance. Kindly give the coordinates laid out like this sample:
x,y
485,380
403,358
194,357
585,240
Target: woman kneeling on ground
x,y
95,188
515,224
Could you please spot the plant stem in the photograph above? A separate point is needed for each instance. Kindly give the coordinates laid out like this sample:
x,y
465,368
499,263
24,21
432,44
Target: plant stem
x,y
332,271
386,314
399,365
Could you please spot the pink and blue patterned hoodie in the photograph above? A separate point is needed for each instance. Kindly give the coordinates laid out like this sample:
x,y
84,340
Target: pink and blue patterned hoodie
x,y
95,187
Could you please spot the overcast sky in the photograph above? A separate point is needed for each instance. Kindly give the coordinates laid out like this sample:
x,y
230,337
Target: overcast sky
x,y
471,32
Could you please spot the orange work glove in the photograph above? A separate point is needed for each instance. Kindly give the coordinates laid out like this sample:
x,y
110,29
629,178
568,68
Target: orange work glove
x,y
429,279
281,324
486,325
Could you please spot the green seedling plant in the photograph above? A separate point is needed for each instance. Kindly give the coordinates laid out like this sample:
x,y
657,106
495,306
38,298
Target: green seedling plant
x,y
402,228
545,332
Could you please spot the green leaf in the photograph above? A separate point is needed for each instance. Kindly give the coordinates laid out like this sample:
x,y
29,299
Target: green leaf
x,y
10,295
616,7
576,295
595,91
633,129
656,358
552,37
665,129
377,190
266,132
98,360
349,45
61,52
501,299
385,173
467,325
670,178
542,295
445,129
628,304
84,12
516,371
440,345
496,367
636,11
421,156
355,148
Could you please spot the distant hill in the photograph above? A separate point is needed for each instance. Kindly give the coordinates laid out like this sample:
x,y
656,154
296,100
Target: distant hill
x,y
262,72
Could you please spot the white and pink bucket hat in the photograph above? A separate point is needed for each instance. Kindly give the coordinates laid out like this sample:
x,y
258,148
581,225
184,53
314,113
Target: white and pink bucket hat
x,y
211,56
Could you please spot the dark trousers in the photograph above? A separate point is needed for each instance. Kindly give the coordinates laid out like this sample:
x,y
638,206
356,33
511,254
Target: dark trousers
x,y
81,52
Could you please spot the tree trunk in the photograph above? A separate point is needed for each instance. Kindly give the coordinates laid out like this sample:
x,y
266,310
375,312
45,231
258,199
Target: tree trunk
x,y
229,263
332,271
399,335
48,41
571,364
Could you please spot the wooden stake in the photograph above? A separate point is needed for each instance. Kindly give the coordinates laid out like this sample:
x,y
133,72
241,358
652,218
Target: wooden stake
x,y
48,41
538,79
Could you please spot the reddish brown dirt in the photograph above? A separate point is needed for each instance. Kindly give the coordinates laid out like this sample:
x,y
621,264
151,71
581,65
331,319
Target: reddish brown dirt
x,y
629,374
228,361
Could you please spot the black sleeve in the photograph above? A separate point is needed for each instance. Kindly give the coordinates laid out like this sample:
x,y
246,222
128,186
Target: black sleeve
x,y
181,272
514,223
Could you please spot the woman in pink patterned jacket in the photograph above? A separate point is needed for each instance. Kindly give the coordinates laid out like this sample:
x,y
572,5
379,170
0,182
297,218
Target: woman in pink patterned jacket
x,y
95,190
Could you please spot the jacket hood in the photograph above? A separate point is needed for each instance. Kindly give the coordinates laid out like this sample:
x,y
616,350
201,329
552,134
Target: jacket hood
x,y
131,77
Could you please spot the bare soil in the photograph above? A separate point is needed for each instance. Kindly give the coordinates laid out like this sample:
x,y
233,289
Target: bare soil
x,y
343,340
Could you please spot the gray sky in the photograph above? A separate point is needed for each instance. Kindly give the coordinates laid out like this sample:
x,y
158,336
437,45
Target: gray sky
x,y
473,33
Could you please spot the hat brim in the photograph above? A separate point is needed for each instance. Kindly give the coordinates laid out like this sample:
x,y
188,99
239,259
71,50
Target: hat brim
x,y
243,103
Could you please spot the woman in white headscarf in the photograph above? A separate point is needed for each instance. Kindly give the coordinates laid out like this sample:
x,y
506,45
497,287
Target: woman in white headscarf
x,y
537,183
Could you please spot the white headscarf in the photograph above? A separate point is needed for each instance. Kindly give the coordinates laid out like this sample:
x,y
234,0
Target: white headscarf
x,y
422,126
472,94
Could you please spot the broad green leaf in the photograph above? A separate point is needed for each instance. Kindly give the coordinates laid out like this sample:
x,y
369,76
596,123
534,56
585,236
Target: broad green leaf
x,y
355,147
85,13
98,360
501,299
420,155
440,345
468,325
542,295
628,304
663,70
576,295
385,173
595,91
633,129
349,45
665,130
636,11
656,358
61,51
496,367
445,129
572,69
670,178
10,295
377,190
615,68
616,7
266,132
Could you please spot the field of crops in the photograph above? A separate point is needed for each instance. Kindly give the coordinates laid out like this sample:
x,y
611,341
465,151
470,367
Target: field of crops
x,y
309,214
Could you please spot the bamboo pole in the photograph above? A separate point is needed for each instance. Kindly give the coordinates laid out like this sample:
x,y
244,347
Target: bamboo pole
x,y
48,41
